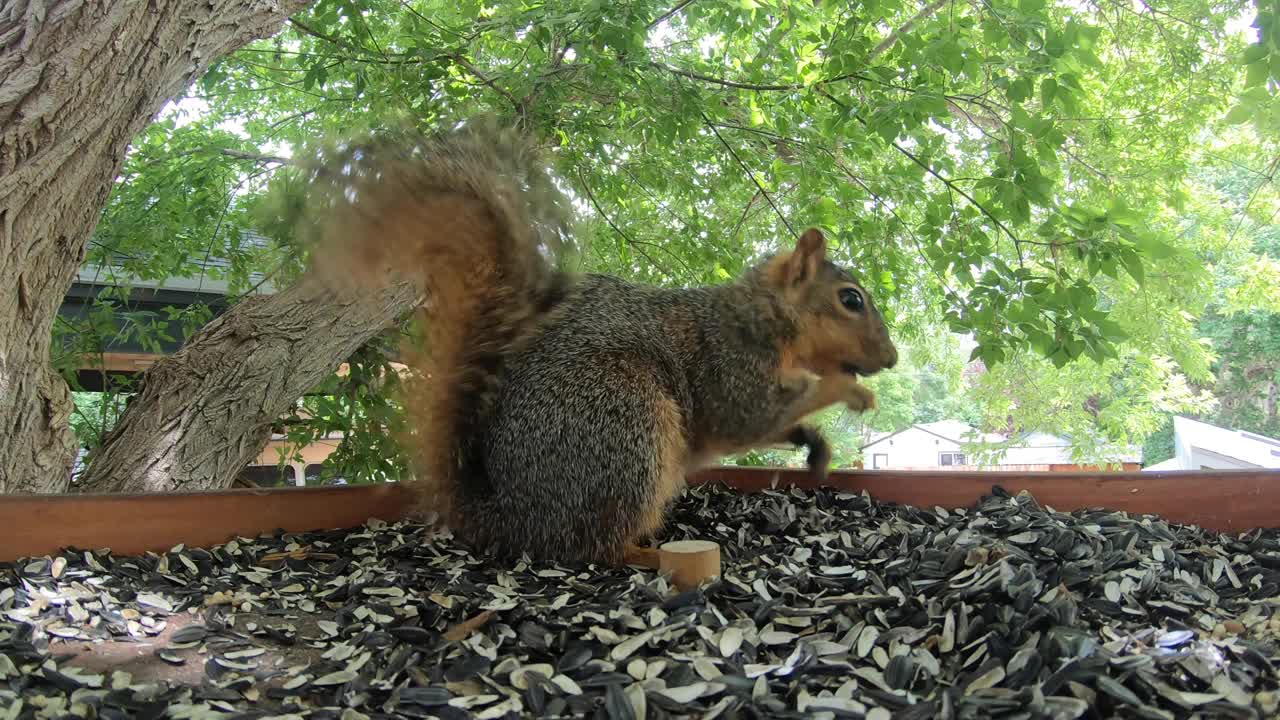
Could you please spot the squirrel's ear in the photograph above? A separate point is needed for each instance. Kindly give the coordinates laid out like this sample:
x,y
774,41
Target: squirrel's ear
x,y
802,264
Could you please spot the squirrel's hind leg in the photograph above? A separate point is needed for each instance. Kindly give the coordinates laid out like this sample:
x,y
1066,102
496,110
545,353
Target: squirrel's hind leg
x,y
584,459
670,456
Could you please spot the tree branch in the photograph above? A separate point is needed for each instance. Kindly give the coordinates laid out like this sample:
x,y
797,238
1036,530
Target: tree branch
x,y
361,57
204,412
668,14
316,33
62,146
951,185
484,79
727,83
745,212
256,157
630,241
707,121
766,87
894,36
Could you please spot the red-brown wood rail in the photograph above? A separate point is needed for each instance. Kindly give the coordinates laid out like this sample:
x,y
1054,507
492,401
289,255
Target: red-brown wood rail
x,y
32,525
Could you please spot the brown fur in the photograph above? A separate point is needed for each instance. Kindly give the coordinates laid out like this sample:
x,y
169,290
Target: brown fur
x,y
556,416
466,216
672,454
828,335
474,242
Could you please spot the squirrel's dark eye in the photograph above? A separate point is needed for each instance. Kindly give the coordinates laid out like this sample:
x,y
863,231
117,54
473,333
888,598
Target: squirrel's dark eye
x,y
851,299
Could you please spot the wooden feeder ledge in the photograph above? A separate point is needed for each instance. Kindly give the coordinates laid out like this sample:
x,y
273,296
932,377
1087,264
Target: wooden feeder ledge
x,y
1231,501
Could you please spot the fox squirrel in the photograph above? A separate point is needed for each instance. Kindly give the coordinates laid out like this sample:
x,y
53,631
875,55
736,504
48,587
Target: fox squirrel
x,y
559,413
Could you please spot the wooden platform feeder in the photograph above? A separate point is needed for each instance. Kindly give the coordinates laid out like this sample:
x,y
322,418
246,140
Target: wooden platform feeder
x,y
1230,501
42,525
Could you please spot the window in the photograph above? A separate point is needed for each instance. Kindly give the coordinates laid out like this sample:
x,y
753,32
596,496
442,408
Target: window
x,y
879,460
950,458
316,475
268,475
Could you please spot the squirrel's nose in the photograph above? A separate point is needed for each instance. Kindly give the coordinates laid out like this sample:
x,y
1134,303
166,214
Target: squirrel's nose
x,y
893,358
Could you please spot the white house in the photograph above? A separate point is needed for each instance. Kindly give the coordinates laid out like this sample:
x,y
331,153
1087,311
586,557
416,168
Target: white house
x,y
925,445
1038,448
1201,446
947,444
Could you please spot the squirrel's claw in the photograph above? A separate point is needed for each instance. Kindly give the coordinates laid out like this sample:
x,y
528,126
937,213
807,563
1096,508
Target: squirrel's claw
x,y
819,450
861,399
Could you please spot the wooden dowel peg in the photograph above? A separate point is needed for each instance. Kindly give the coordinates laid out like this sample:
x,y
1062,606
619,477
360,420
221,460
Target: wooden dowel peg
x,y
689,563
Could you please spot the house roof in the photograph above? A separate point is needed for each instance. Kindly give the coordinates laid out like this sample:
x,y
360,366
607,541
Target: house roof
x,y
952,430
1237,444
201,281
956,430
1032,448
1170,464
1039,453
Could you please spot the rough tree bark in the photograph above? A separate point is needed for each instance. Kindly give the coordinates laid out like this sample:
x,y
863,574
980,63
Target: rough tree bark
x,y
206,411
78,80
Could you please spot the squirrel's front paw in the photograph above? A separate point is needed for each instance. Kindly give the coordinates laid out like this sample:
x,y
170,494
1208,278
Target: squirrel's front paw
x,y
860,399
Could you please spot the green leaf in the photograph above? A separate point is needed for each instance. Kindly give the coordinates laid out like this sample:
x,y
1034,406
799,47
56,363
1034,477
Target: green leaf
x,y
1048,89
1254,53
1111,330
828,211
1241,113
1019,90
1257,74
1133,264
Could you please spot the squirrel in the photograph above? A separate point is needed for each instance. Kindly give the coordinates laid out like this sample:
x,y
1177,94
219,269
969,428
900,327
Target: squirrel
x,y
558,414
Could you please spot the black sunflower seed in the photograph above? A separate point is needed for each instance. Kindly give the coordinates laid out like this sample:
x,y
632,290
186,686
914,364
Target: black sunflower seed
x,y
617,706
1005,609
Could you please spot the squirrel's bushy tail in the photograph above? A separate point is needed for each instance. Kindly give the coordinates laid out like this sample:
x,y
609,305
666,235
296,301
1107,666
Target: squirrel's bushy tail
x,y
474,218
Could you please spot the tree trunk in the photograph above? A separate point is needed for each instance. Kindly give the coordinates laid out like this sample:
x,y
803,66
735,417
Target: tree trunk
x,y
206,411
78,80
1269,405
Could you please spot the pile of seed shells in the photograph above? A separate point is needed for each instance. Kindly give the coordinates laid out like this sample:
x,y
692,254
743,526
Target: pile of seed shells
x,y
830,605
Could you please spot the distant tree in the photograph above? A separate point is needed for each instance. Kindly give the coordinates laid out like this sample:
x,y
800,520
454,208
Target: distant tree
x,y
1159,444
1243,319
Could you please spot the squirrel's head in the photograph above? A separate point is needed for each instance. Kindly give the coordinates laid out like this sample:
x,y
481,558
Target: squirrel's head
x,y
839,327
